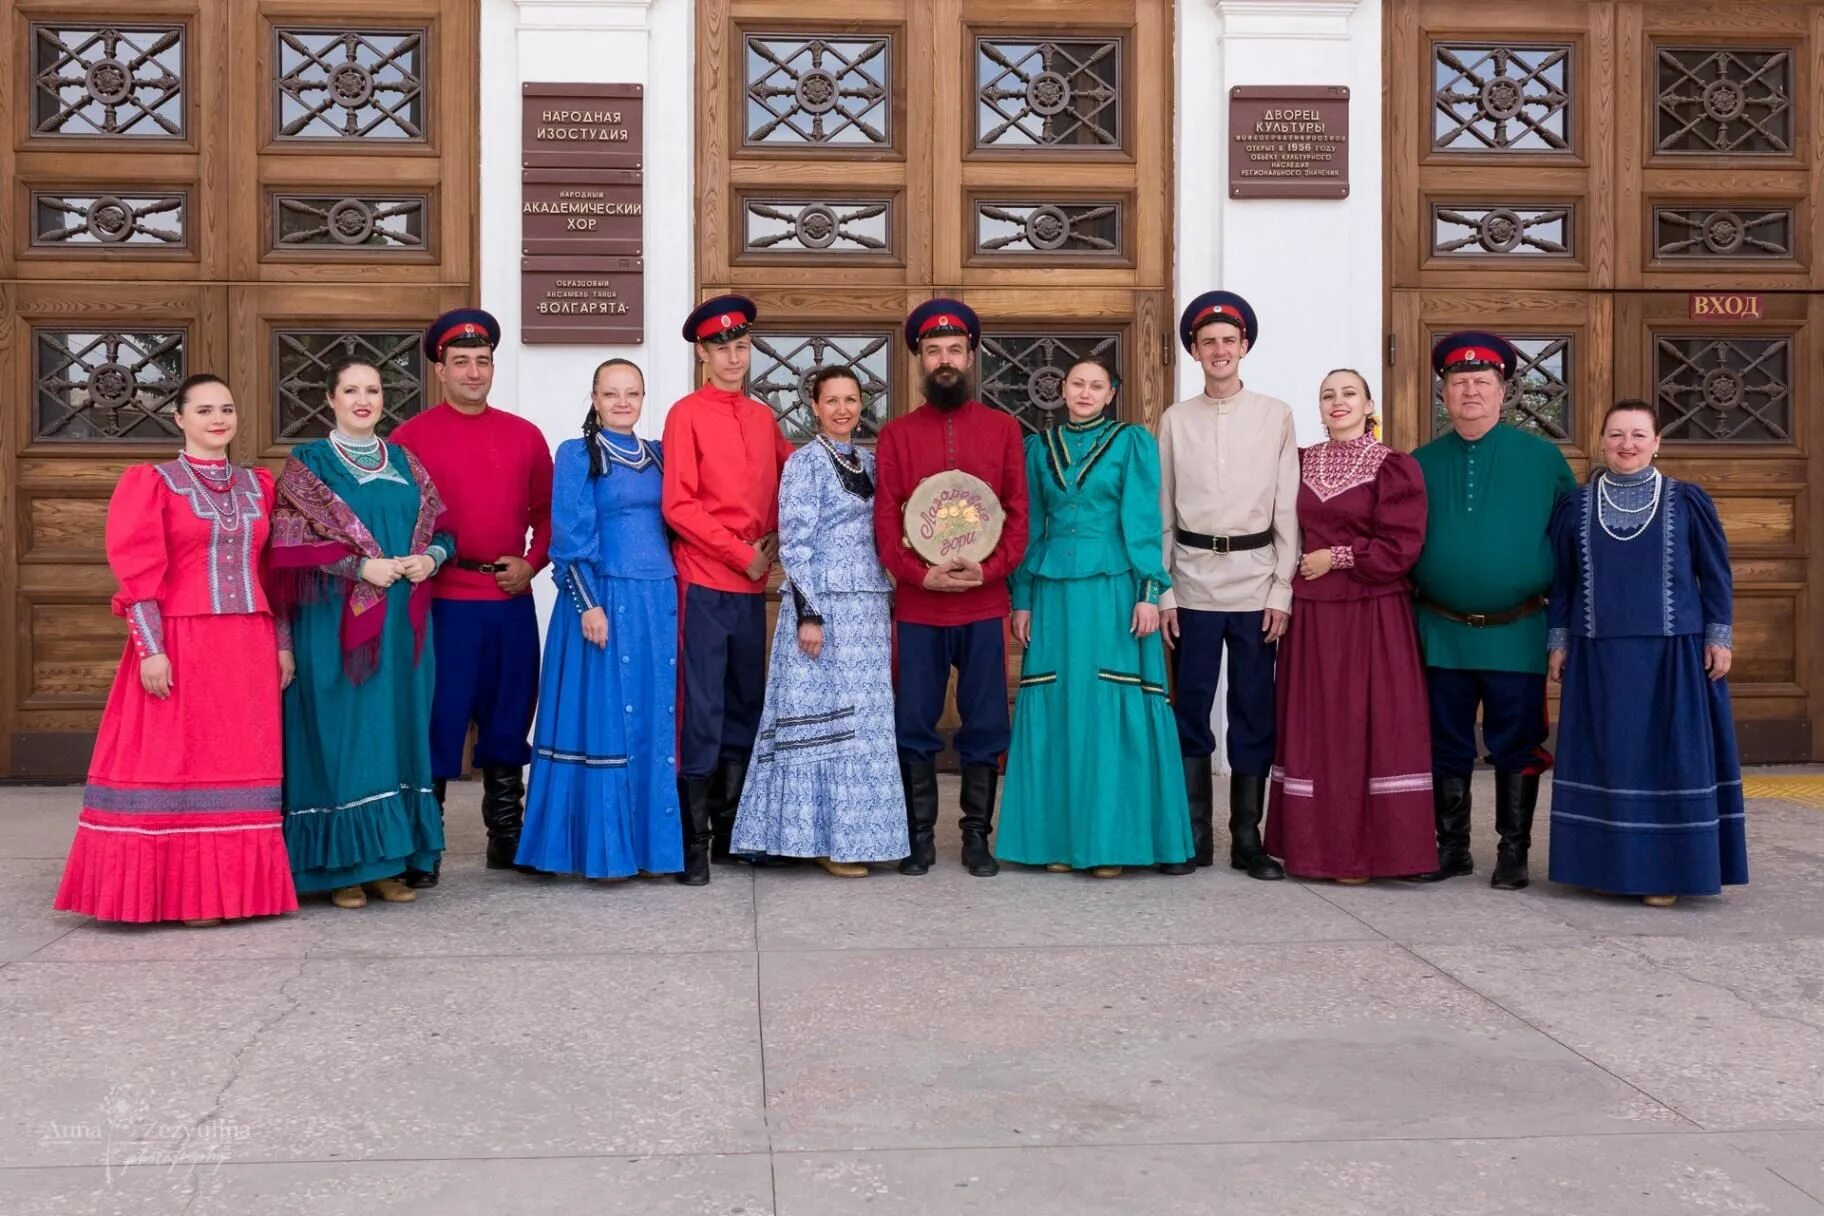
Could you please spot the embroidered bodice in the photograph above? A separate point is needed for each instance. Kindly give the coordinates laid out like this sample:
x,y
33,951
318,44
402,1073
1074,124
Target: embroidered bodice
x,y
1338,466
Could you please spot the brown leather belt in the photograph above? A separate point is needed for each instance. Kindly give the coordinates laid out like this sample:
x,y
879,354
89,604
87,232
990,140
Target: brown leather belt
x,y
1483,620
1224,544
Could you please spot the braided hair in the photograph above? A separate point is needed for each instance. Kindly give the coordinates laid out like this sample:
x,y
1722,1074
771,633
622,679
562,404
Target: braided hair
x,y
592,423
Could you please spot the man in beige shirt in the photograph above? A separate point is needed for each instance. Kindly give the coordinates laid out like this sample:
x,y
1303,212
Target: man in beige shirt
x,y
1228,492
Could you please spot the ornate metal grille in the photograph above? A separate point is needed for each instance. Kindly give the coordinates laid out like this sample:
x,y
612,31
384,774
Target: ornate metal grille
x,y
1723,390
1518,231
300,357
92,220
1717,101
783,365
349,84
370,224
101,385
1023,373
1027,229
809,225
1538,397
110,80
1501,98
1056,94
1700,232
811,90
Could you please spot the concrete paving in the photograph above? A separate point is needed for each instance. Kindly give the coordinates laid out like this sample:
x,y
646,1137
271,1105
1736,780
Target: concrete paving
x,y
793,1044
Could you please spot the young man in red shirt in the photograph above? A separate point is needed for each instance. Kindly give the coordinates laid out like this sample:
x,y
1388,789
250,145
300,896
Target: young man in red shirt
x,y
955,614
493,470
723,454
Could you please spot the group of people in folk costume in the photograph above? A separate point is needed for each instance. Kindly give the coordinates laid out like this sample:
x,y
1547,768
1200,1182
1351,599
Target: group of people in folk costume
x,y
308,657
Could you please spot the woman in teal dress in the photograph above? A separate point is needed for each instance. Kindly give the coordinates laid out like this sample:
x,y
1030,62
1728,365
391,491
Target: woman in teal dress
x,y
1094,781
355,542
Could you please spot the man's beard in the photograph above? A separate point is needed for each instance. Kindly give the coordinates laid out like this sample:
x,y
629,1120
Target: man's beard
x,y
947,388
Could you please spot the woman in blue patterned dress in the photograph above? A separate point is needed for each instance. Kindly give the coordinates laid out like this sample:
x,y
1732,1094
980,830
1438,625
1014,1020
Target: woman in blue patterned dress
x,y
1647,796
603,801
825,780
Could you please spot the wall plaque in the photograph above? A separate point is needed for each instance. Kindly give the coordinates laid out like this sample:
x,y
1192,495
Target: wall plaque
x,y
585,301
1727,306
581,212
582,126
1289,141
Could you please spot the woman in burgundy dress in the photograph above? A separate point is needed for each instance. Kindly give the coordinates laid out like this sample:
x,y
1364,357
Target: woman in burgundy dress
x,y
1352,782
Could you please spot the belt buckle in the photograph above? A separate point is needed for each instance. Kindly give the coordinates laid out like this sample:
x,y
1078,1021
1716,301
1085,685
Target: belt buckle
x,y
1219,544
1476,620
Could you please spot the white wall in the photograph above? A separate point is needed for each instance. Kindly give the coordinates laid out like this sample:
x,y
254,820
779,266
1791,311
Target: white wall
x,y
1310,267
647,42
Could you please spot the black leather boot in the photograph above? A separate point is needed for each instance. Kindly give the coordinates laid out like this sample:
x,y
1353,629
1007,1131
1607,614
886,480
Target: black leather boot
x,y
724,804
420,879
503,809
919,778
1450,804
1199,791
693,814
979,781
1516,795
1247,807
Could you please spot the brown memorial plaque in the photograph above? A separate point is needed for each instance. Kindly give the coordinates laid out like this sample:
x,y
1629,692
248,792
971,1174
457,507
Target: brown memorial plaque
x,y
1289,141
583,301
582,126
953,514
580,212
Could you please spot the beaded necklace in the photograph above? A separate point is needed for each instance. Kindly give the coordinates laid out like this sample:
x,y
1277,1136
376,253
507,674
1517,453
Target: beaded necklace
x,y
851,462
215,497
1635,518
637,459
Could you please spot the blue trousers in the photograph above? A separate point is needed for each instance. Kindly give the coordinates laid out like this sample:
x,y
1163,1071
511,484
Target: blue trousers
x,y
1514,721
924,656
723,657
487,674
1196,666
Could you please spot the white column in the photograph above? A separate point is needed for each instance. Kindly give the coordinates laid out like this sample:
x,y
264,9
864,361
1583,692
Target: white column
x,y
1310,267
646,42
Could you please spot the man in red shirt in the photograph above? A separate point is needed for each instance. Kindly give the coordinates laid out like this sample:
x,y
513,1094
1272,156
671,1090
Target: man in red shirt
x,y
953,615
493,470
723,454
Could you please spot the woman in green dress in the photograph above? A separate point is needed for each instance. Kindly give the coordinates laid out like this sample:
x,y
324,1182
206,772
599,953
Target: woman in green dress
x,y
355,542
1094,781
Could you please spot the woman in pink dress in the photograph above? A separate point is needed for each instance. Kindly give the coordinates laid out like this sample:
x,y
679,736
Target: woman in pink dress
x,y
1352,782
180,819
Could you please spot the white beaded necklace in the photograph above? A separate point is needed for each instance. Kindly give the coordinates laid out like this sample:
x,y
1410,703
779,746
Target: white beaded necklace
x,y
1602,488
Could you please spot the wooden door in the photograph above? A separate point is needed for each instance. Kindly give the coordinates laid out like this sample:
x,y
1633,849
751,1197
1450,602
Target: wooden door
x,y
222,185
1589,180
1016,154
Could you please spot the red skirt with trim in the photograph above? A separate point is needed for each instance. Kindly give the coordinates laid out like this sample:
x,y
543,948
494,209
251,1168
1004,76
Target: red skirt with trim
x,y
181,818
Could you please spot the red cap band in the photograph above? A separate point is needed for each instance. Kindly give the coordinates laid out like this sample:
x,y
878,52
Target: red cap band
x,y
1476,354
467,329
942,320
720,322
1219,310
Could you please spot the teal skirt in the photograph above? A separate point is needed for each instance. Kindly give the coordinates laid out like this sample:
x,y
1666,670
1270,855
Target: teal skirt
x,y
1093,776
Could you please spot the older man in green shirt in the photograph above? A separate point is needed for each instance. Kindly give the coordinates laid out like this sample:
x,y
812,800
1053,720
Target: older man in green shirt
x,y
1481,582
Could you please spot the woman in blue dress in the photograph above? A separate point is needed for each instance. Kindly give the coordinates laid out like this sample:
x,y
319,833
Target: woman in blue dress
x,y
1647,797
825,782
603,800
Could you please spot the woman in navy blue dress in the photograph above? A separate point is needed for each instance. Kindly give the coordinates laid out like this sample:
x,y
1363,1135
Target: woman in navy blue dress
x,y
603,800
1647,796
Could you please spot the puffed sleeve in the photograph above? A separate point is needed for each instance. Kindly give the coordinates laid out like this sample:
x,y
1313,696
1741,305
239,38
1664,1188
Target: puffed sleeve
x,y
800,508
1012,492
138,556
574,526
1390,553
1710,560
1167,526
1019,583
1567,559
1140,525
